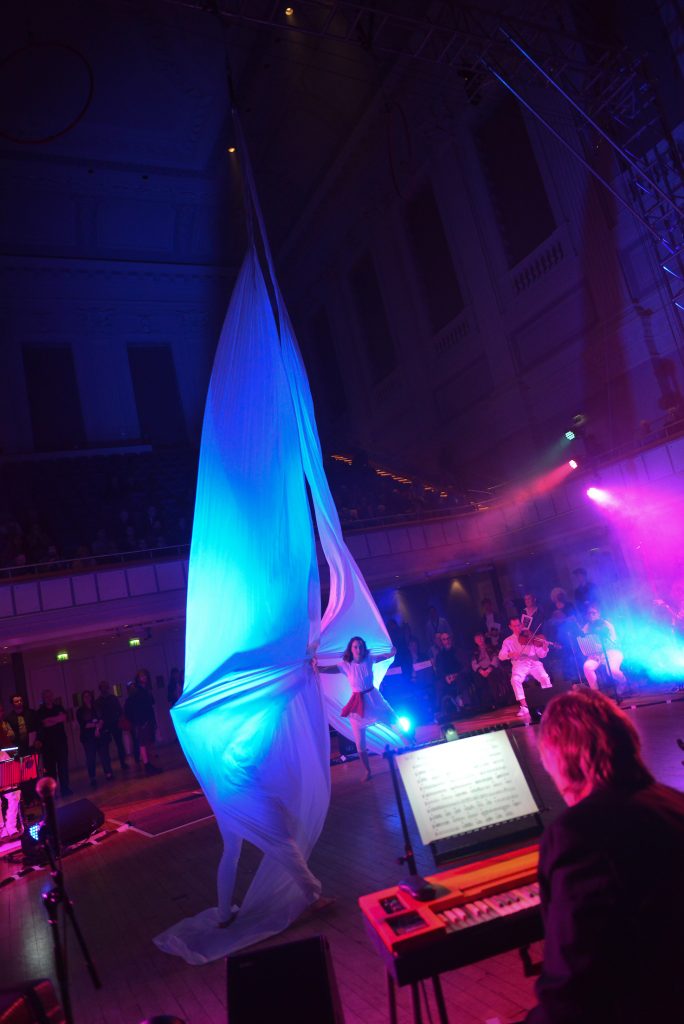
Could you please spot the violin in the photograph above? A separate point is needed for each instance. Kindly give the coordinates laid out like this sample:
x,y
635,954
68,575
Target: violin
x,y
527,636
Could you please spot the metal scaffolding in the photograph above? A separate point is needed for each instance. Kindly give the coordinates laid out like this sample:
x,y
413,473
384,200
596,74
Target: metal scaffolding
x,y
607,91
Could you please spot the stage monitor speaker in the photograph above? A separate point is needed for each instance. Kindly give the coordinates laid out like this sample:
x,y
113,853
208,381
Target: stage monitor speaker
x,y
75,822
294,981
33,1002
345,745
537,698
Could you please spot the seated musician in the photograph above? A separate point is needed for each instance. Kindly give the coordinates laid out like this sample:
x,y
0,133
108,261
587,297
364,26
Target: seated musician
x,y
604,632
524,650
610,873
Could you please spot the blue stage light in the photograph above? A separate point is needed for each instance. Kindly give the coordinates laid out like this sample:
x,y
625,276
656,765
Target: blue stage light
x,y
404,723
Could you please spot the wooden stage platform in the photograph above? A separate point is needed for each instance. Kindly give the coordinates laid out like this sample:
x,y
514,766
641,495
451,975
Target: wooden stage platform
x,y
145,877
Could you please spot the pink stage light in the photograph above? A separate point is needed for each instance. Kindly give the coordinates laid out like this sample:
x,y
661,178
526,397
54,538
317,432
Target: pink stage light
x,y
600,496
572,464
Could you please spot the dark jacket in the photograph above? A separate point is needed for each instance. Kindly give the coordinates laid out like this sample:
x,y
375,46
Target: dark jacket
x,y
109,710
611,873
90,724
53,737
139,706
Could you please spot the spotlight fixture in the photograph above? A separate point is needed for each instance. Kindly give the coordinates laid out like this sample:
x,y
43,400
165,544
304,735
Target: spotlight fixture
x,y
232,149
289,11
569,435
602,497
404,723
572,464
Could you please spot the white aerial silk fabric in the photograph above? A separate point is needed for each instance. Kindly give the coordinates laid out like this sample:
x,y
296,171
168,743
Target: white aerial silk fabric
x,y
252,716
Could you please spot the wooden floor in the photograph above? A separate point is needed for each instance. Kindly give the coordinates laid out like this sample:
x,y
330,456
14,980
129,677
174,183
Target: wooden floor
x,y
132,886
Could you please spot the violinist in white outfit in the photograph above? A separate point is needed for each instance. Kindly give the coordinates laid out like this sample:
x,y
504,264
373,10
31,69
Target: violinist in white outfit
x,y
525,652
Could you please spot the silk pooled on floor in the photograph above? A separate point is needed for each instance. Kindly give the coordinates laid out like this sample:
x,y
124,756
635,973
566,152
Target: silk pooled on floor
x,y
252,719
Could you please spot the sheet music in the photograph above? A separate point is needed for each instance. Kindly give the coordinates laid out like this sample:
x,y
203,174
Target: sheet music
x,y
465,785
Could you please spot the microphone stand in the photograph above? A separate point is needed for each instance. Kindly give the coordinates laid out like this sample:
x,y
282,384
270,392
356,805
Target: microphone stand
x,y
55,897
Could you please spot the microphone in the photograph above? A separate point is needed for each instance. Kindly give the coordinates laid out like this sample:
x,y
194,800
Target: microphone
x,y
46,789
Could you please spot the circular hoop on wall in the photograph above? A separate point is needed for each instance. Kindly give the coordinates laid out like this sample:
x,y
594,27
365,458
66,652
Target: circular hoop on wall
x,y
19,73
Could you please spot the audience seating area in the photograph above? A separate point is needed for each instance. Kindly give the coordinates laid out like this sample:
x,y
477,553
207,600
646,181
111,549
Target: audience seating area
x,y
79,507
74,508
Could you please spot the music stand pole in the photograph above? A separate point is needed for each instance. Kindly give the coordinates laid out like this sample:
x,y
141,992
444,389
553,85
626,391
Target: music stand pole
x,y
574,648
415,883
609,670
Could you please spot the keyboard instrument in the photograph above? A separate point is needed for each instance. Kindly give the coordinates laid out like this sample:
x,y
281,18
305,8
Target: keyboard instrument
x,y
14,772
479,909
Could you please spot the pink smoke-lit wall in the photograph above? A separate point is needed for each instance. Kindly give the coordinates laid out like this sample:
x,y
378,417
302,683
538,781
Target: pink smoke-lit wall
x,y
647,521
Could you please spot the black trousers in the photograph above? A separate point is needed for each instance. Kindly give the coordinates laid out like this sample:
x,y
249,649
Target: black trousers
x,y
92,747
115,733
56,763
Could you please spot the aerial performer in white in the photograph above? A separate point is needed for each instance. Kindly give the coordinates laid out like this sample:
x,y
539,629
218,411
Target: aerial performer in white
x,y
252,718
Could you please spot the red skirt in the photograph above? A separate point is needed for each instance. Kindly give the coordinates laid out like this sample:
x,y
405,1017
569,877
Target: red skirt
x,y
354,705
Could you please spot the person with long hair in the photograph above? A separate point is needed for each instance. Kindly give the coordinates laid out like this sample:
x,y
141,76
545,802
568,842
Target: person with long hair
x,y
366,706
610,873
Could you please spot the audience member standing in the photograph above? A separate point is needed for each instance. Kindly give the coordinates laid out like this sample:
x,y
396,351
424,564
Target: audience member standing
x,y
108,708
174,686
91,726
22,721
144,680
7,737
23,724
532,616
586,593
51,719
139,710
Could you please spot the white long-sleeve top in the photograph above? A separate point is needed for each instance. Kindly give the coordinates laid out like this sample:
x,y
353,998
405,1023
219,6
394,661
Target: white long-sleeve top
x,y
512,646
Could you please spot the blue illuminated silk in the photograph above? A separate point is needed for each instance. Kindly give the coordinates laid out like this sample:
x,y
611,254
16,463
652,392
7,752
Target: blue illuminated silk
x,y
252,716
